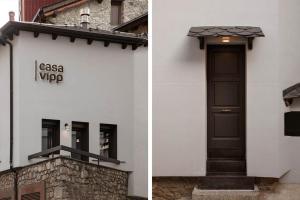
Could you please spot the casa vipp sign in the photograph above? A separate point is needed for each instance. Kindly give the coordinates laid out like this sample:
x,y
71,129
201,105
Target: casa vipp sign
x,y
52,73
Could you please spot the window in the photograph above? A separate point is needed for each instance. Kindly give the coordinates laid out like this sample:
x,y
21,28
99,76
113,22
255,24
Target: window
x,y
50,133
108,140
116,12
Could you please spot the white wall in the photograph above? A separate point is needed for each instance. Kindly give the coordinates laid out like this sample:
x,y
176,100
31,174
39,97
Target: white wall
x,y
289,75
99,87
179,86
4,108
140,176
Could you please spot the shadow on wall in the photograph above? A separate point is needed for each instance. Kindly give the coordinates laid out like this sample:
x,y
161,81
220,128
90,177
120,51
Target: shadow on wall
x,y
190,52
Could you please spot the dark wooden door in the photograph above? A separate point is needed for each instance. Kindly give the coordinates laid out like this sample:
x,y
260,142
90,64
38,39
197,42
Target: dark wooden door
x,y
226,110
80,139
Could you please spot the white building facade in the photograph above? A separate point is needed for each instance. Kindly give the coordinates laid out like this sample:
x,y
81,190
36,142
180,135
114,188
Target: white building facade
x,y
99,84
180,85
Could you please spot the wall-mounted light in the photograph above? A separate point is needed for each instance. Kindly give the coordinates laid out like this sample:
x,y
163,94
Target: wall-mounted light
x,y
67,127
225,39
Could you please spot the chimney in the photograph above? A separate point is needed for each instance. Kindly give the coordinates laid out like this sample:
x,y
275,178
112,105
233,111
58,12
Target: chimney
x,y
11,16
85,17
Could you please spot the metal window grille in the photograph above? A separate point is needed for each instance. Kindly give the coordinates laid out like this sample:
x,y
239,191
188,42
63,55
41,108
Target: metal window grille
x,y
31,196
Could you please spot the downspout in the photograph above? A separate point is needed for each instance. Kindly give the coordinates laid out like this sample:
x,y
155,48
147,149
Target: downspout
x,y
11,108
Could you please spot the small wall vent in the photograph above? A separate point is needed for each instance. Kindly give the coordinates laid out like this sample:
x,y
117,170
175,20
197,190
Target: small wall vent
x,y
31,196
34,191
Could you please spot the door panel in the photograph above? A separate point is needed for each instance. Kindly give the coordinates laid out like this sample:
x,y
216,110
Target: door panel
x,y
226,94
226,125
226,110
225,63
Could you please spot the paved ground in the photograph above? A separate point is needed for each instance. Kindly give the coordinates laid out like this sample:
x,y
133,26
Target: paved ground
x,y
282,192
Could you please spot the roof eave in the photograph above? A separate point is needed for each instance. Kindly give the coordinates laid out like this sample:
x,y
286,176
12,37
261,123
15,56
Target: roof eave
x,y
13,28
134,22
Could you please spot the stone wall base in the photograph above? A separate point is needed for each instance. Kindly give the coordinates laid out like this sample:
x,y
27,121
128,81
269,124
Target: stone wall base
x,y
172,188
67,179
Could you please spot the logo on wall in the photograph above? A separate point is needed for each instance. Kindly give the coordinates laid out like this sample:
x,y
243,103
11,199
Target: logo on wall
x,y
49,72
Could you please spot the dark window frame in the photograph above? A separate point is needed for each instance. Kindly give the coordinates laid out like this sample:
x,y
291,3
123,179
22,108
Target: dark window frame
x,y
112,131
54,139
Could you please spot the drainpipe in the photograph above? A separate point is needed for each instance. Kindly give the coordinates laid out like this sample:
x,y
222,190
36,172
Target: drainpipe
x,y
4,41
11,138
11,156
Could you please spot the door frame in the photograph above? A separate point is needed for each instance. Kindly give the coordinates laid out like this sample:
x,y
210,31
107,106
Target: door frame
x,y
218,44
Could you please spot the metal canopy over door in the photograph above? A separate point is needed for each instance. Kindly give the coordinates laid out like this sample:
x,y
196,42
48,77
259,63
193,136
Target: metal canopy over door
x,y
226,110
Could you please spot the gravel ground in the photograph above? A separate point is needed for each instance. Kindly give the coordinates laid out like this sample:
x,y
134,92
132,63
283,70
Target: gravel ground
x,y
283,192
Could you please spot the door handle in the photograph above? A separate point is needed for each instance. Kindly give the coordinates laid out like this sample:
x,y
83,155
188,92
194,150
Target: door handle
x,y
226,110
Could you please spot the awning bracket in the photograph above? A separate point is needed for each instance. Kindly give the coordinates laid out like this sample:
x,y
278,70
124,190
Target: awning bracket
x,y
250,43
202,42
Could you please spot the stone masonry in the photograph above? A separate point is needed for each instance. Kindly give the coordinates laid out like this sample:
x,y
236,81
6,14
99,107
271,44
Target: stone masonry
x,y
6,181
67,179
134,8
100,13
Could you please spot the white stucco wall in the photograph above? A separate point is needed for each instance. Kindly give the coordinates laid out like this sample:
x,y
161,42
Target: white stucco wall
x,y
99,87
179,84
289,75
140,157
4,107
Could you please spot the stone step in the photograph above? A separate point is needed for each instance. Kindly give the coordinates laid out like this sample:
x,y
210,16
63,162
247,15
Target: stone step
x,y
217,167
199,194
226,183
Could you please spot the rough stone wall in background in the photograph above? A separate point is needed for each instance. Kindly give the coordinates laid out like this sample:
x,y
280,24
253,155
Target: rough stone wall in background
x,y
134,8
100,13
